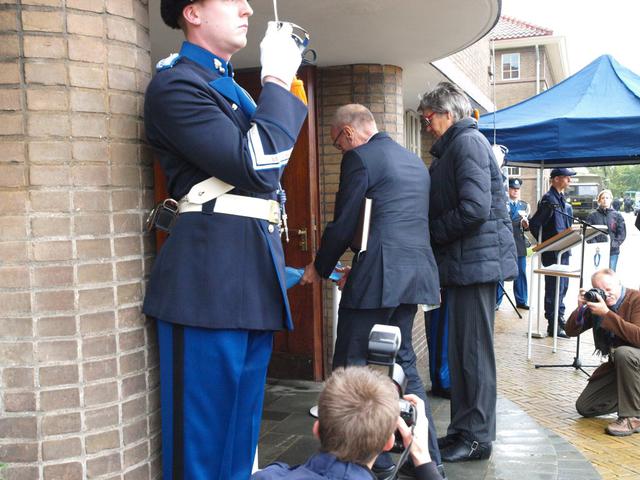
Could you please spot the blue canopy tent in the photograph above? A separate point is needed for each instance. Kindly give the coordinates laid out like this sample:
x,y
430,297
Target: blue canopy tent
x,y
591,118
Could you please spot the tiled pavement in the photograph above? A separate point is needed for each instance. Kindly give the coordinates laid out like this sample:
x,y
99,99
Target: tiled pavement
x,y
540,435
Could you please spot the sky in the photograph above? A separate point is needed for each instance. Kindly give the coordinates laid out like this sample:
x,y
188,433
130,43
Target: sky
x,y
591,27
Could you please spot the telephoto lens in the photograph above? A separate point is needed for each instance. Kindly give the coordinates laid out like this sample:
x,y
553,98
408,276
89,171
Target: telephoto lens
x,y
593,294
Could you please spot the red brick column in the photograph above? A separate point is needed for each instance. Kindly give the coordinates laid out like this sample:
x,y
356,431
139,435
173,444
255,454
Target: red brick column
x,y
78,366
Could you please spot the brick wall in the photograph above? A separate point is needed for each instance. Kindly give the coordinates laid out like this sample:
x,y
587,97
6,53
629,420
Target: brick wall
x,y
379,88
78,366
475,61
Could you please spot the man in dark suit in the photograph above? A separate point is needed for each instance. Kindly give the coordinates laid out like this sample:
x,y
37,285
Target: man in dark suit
x,y
397,271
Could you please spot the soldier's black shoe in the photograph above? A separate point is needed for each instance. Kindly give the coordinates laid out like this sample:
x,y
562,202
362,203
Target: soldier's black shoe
x,y
466,449
522,306
450,439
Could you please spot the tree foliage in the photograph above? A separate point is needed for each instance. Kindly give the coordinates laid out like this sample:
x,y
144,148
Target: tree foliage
x,y
619,178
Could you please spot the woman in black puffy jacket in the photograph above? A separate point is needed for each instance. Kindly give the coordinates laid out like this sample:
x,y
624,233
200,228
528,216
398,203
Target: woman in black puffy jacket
x,y
605,215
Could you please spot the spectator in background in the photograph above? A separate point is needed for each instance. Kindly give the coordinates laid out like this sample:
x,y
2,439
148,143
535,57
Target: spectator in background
x,y
605,215
519,212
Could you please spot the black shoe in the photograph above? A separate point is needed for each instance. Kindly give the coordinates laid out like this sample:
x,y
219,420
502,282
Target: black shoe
x,y
384,473
561,333
450,439
409,470
465,450
522,306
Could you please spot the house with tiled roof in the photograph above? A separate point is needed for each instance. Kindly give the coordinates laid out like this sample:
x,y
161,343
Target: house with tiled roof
x,y
529,59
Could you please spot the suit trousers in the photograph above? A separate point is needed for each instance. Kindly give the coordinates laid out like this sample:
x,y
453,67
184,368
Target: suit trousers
x,y
211,394
472,364
352,343
617,391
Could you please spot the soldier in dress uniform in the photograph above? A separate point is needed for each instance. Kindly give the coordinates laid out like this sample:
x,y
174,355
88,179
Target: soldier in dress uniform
x,y
217,287
519,212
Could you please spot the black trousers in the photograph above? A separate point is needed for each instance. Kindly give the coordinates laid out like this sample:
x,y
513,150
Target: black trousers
x,y
472,364
352,341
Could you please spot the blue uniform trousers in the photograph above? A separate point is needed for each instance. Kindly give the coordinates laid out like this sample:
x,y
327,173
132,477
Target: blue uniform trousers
x,y
550,293
520,288
211,393
352,343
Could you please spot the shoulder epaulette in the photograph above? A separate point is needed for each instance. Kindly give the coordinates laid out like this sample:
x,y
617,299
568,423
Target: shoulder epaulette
x,y
168,62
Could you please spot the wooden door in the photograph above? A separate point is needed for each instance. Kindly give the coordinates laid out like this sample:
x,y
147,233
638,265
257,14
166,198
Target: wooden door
x,y
299,354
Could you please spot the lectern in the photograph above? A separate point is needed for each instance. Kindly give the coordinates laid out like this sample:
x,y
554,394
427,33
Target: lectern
x,y
561,243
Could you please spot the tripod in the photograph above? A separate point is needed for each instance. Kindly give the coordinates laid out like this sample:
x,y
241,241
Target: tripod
x,y
577,363
504,292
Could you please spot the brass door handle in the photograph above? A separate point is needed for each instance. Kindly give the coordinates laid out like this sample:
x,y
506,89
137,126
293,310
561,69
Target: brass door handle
x,y
303,243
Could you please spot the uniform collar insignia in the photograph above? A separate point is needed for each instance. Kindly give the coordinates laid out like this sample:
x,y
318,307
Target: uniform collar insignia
x,y
206,59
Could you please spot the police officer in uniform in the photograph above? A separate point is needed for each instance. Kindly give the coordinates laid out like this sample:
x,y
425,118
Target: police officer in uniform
x,y
553,215
519,212
217,286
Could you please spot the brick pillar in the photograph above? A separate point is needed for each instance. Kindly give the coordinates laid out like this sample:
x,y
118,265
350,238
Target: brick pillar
x,y
377,87
78,363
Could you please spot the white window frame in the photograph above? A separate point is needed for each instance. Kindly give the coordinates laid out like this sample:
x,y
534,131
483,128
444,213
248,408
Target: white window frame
x,y
510,59
513,172
412,141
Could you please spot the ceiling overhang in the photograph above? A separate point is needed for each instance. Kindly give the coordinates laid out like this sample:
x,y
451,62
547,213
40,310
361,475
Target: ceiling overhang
x,y
406,33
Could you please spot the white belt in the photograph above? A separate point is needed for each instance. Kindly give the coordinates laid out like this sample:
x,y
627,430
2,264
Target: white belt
x,y
242,206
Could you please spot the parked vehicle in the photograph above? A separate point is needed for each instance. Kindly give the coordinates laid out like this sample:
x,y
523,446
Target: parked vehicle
x,y
583,194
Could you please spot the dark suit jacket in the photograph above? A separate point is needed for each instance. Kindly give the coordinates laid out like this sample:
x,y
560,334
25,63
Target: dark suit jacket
x,y
398,265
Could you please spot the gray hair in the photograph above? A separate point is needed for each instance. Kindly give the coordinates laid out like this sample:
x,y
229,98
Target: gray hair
x,y
447,97
354,114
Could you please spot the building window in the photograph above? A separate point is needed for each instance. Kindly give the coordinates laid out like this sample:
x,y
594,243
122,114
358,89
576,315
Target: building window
x,y
513,172
510,66
412,131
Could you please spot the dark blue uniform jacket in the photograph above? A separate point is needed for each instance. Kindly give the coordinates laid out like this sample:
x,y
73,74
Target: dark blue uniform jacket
x,y
470,226
217,270
398,265
551,220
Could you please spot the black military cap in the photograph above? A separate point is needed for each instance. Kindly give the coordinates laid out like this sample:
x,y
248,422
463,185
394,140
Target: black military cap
x,y
515,183
170,10
562,172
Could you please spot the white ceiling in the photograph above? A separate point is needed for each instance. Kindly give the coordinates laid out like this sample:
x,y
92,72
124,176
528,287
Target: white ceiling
x,y
406,33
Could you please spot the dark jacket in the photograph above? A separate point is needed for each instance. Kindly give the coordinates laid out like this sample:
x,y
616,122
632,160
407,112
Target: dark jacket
x,y
217,270
326,466
552,216
624,324
398,266
470,226
617,228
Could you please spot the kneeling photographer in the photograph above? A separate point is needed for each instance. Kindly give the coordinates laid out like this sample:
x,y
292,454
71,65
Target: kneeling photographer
x,y
358,413
613,312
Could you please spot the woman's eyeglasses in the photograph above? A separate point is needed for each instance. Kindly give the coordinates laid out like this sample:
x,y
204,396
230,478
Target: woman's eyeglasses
x,y
425,120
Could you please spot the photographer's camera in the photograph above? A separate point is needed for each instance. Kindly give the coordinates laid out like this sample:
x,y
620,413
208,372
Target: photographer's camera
x,y
593,294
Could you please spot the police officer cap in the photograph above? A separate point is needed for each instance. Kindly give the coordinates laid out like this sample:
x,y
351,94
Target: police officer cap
x,y
170,10
515,183
562,172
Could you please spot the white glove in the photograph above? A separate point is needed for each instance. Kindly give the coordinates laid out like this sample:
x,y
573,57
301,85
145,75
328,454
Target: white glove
x,y
280,56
